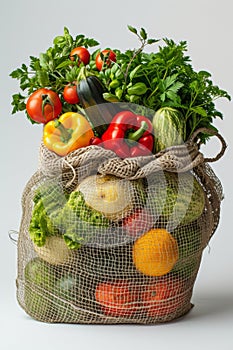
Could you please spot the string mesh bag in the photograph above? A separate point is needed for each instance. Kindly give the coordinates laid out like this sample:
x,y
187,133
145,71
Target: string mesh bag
x,y
106,240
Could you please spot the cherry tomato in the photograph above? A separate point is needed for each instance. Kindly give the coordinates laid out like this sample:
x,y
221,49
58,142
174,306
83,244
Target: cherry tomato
x,y
70,94
111,57
82,53
138,223
116,298
95,141
43,105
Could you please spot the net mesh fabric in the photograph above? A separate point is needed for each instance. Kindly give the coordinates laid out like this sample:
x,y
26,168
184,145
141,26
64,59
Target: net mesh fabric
x,y
99,282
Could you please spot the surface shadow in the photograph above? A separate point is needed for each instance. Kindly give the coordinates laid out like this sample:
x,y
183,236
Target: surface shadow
x,y
216,304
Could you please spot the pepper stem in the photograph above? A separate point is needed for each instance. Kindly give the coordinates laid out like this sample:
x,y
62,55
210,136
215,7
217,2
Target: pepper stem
x,y
65,133
136,135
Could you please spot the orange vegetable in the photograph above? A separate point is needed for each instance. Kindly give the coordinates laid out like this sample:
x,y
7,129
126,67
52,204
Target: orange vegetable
x,y
163,297
116,298
155,252
68,133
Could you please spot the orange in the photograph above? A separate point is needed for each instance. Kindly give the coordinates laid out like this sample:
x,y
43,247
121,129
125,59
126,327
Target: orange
x,y
155,252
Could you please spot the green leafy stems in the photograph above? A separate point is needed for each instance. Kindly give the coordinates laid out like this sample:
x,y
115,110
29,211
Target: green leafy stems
x,y
164,77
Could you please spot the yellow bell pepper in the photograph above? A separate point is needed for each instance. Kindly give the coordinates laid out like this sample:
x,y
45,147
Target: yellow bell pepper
x,y
67,133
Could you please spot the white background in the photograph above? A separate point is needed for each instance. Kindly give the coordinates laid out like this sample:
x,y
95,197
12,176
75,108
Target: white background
x,y
28,28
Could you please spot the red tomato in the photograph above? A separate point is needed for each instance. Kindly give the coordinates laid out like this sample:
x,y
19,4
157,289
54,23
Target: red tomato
x,y
43,105
82,53
116,298
139,222
70,94
163,297
111,57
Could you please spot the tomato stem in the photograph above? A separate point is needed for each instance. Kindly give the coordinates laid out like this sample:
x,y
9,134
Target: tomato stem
x,y
46,101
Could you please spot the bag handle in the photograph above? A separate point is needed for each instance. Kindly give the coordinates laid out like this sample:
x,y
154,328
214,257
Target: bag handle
x,y
214,133
13,235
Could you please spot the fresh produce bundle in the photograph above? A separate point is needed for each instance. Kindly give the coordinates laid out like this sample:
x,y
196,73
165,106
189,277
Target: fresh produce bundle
x,y
123,203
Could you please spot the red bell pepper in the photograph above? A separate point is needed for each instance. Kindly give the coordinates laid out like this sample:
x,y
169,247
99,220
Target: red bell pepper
x,y
129,135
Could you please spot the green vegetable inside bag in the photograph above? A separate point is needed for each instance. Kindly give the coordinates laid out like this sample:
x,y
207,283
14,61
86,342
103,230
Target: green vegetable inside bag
x,y
49,199
78,222
57,213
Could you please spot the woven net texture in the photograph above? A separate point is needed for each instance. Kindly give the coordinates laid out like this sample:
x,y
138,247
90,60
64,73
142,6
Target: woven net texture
x,y
105,240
